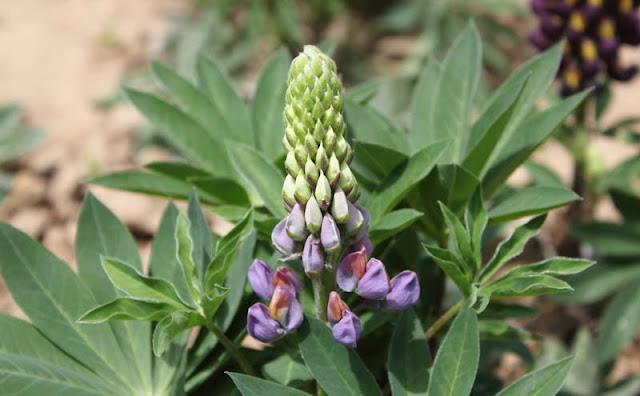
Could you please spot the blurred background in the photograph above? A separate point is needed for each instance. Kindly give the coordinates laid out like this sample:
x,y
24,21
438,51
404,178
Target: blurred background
x,y
62,63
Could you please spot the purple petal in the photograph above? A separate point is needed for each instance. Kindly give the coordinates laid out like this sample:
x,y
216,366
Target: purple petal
x,y
296,224
284,277
294,317
347,330
329,234
363,230
335,308
260,325
351,269
374,285
312,255
405,291
355,221
261,279
281,240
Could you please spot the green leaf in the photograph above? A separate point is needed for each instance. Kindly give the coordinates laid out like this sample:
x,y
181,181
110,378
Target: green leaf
x,y
337,369
499,330
363,92
222,190
10,117
454,369
177,170
47,290
585,377
28,360
404,178
610,239
452,266
287,371
526,285
252,386
409,357
194,102
600,281
554,266
620,323
370,126
145,183
379,160
392,223
128,309
502,311
226,253
490,129
462,244
422,105
184,252
531,201
455,90
100,233
261,175
172,326
542,175
268,104
530,135
623,184
511,247
140,287
201,237
476,219
187,134
20,142
546,381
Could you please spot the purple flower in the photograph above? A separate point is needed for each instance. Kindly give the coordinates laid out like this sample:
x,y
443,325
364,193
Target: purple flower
x,y
283,315
281,240
374,285
345,324
312,255
285,278
296,224
351,269
261,279
329,234
405,291
364,243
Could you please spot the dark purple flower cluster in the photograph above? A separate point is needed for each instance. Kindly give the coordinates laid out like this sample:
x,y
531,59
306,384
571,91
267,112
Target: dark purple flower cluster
x,y
594,30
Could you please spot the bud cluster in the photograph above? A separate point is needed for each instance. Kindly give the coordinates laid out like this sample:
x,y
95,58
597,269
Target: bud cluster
x,y
325,227
595,30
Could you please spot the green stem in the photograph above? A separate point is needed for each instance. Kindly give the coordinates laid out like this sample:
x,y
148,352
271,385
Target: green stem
x,y
437,325
232,348
320,296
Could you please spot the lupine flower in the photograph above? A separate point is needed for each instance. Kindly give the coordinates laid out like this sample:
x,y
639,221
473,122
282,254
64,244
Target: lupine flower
x,y
345,325
324,222
594,30
284,313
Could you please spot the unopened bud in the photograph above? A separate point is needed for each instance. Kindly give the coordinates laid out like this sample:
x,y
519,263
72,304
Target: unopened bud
x,y
355,221
311,172
313,215
322,159
291,164
347,180
330,140
296,227
323,192
303,191
312,255
329,234
333,171
340,207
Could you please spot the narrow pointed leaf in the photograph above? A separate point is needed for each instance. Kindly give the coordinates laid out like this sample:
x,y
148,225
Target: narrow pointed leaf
x,y
620,323
171,327
287,371
461,239
546,381
554,266
201,236
337,369
268,105
409,357
531,201
511,247
370,126
145,182
422,105
454,369
128,309
392,223
184,252
526,285
138,286
452,266
252,386
476,219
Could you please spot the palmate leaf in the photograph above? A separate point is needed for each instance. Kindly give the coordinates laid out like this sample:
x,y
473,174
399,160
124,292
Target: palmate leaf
x,y
47,290
454,369
337,369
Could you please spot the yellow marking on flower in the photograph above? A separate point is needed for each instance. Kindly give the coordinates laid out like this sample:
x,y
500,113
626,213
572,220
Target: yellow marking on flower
x,y
606,29
596,3
571,78
577,22
625,7
588,50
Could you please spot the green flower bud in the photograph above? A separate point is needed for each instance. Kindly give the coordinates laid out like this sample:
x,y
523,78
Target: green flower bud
x,y
330,140
318,131
355,221
300,154
303,191
339,207
311,145
322,159
341,149
291,164
311,172
347,180
354,194
313,215
288,192
333,170
323,192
